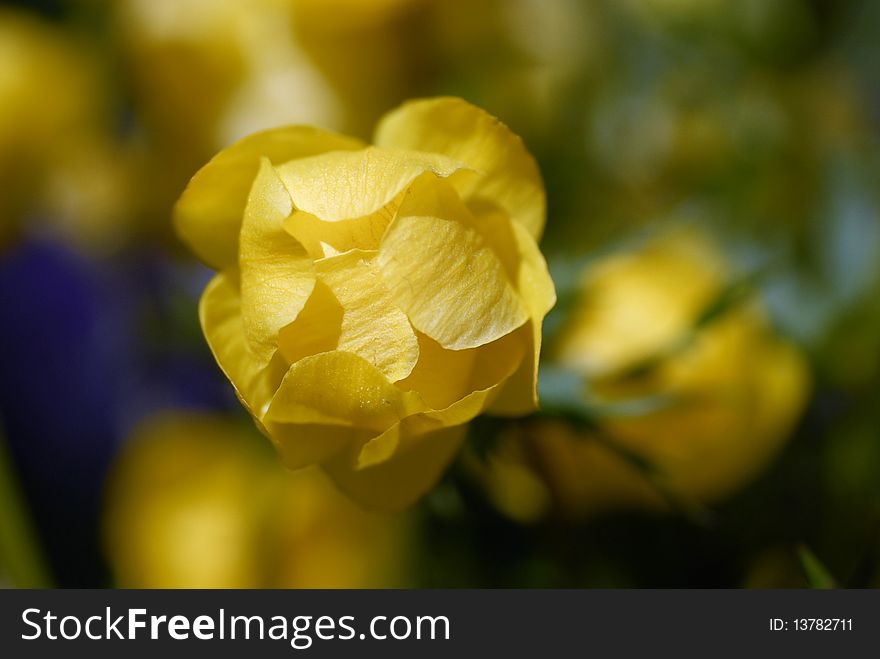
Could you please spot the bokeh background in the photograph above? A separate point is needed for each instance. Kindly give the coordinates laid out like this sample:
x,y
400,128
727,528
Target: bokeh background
x,y
711,379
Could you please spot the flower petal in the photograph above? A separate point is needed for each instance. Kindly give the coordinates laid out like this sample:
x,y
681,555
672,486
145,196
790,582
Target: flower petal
x,y
456,367
491,366
220,316
464,371
277,276
208,213
509,177
519,395
533,279
444,275
343,185
339,388
397,483
316,329
322,239
372,326
300,445
522,259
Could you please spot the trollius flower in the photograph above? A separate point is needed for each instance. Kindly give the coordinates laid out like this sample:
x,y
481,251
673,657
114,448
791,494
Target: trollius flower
x,y
726,392
372,299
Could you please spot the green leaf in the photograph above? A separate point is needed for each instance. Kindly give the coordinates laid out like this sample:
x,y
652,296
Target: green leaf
x,y
728,299
817,574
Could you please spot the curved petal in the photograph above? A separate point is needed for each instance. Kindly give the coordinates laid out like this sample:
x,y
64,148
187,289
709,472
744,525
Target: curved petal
x,y
209,212
397,483
444,274
316,329
341,389
533,278
220,316
456,367
464,371
322,239
343,185
519,395
372,326
300,445
522,259
491,366
277,276
509,177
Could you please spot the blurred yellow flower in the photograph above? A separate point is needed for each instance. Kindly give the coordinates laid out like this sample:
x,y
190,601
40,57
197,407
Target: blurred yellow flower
x,y
732,390
193,502
205,73
208,72
371,53
53,120
373,299
540,51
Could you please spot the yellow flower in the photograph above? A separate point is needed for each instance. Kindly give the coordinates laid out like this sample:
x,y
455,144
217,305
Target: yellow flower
x,y
373,299
373,53
193,503
207,72
52,118
732,389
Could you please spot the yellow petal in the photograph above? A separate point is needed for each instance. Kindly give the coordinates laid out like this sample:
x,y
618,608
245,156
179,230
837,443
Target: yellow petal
x,y
522,259
519,395
316,329
498,360
509,177
372,326
444,275
672,276
340,388
513,245
490,366
209,212
343,185
220,316
301,445
277,276
397,483
323,239
463,371
533,279
440,376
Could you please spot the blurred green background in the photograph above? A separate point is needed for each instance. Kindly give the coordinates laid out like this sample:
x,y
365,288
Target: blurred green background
x,y
711,377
